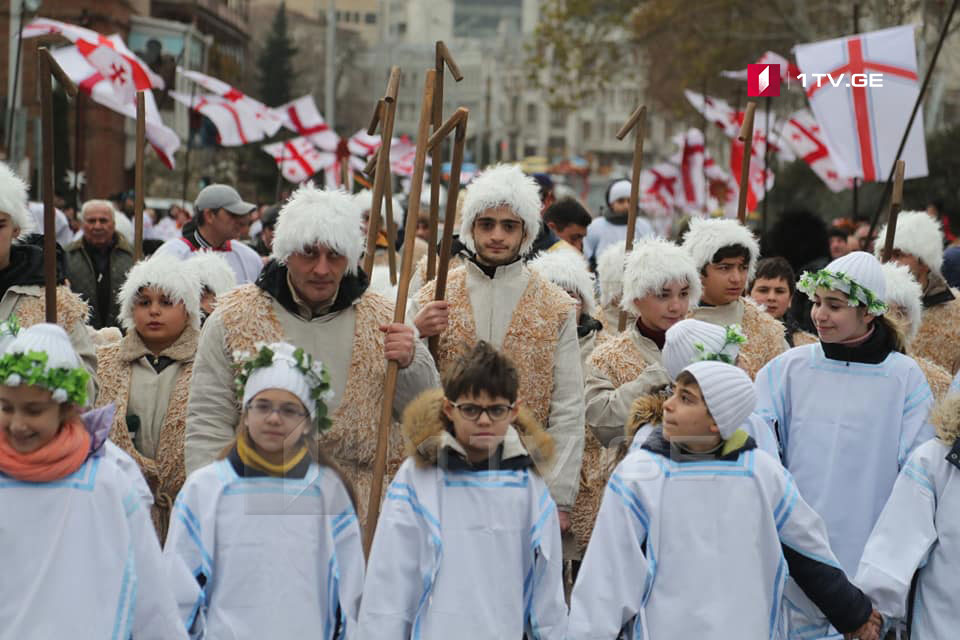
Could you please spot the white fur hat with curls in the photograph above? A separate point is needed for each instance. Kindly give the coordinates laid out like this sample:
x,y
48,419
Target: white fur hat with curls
x,y
652,264
13,200
610,272
319,216
904,291
168,274
917,234
503,184
567,269
365,202
213,271
708,235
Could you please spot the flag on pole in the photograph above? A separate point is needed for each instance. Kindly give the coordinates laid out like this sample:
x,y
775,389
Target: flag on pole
x,y
864,105
235,125
302,117
788,70
297,159
267,119
802,133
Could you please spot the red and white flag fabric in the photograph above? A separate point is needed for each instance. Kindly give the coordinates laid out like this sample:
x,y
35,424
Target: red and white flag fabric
x,y
788,70
862,124
402,154
267,119
659,186
363,145
757,186
235,125
802,133
297,159
109,55
716,111
162,138
691,159
302,117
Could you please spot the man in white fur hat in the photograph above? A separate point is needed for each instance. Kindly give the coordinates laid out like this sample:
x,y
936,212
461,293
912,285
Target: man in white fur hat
x,y
380,278
313,295
495,297
918,244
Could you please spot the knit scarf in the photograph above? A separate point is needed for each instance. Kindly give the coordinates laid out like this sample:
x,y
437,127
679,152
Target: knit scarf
x,y
252,459
55,460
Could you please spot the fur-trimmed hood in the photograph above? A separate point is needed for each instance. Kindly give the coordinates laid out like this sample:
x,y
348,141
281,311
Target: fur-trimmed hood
x,y
647,409
425,433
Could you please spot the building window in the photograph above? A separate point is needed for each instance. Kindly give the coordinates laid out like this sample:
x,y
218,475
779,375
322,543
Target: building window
x,y
401,28
585,130
371,18
557,118
531,114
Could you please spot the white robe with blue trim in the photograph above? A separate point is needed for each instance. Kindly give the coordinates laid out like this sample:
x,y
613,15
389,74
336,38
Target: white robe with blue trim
x,y
80,556
696,548
278,556
469,555
955,385
918,529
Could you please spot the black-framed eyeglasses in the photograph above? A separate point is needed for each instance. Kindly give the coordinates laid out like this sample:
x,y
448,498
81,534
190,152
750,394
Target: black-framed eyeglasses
x,y
288,412
473,412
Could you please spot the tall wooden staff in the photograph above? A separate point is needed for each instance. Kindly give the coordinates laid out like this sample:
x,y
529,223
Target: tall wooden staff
x,y
457,121
399,311
383,115
443,59
746,137
138,177
47,67
637,121
896,201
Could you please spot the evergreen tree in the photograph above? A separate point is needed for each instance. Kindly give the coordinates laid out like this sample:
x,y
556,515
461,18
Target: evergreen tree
x,y
275,63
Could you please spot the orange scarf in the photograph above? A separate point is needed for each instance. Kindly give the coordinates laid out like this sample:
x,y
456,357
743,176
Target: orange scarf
x,y
57,459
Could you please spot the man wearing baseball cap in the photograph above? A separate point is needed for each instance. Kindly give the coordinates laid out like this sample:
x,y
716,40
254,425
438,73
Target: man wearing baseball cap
x,y
221,218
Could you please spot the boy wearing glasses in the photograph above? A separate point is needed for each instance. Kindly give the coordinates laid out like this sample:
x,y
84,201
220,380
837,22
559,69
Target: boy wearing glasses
x,y
468,543
495,297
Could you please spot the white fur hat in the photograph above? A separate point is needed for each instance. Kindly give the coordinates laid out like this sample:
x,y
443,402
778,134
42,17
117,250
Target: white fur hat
x,y
318,216
503,184
708,235
13,200
857,274
728,393
904,291
213,271
692,340
917,234
567,269
365,202
168,274
610,266
123,226
652,264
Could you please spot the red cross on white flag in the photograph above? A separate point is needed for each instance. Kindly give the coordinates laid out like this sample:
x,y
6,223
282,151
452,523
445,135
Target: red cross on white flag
x,y
658,188
235,125
863,125
803,135
302,117
265,118
297,159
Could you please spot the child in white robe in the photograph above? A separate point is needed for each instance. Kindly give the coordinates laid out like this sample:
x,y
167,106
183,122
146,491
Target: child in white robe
x,y
79,554
468,543
919,530
699,529
264,543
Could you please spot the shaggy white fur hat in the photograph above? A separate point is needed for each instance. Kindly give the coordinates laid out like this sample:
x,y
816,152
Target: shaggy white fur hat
x,y
904,291
708,235
124,226
567,269
610,266
317,216
13,200
502,184
168,274
213,271
364,200
917,234
652,264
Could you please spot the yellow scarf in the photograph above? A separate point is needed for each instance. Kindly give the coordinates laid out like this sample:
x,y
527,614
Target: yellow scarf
x,y
251,458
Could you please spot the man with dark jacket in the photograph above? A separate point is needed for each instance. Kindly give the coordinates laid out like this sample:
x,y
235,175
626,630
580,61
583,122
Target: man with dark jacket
x,y
98,262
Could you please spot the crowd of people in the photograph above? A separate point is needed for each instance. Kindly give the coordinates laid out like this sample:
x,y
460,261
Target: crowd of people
x,y
765,450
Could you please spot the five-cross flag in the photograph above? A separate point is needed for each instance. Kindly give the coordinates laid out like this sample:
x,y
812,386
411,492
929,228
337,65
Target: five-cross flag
x,y
803,135
298,159
862,125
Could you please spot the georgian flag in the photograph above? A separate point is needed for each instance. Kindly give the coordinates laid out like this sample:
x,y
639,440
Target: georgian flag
x,y
802,133
265,118
302,117
659,186
298,160
235,125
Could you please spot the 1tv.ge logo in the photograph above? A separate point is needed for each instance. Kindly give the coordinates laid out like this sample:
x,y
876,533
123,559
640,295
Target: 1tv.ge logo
x,y
763,80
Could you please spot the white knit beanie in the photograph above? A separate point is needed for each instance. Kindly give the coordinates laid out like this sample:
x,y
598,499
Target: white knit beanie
x,y
53,341
618,190
610,267
213,271
315,216
290,369
857,274
651,265
904,291
502,185
917,234
170,275
708,235
728,393
567,269
13,200
693,340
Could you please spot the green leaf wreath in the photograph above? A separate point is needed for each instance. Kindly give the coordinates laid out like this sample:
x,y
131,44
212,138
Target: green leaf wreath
x,y
30,369
734,337
839,281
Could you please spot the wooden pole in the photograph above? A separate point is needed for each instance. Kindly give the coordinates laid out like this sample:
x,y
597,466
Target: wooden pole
x,y
896,201
637,122
399,314
443,59
746,137
391,230
138,176
48,66
459,120
384,116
